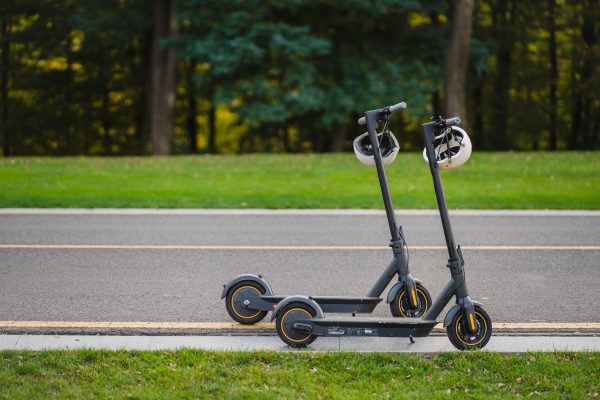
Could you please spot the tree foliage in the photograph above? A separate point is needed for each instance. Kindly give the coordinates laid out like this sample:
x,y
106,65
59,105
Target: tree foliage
x,y
75,75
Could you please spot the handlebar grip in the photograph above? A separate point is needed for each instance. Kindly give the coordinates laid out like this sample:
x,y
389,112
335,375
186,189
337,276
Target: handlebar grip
x,y
452,121
391,109
397,107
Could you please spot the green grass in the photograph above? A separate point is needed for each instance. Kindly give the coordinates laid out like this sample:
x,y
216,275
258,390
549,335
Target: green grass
x,y
563,180
270,375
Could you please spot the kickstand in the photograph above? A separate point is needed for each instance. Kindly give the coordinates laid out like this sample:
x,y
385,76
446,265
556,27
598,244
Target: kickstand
x,y
412,339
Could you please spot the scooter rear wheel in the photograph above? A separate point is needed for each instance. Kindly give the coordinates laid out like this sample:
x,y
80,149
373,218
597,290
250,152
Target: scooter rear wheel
x,y
400,306
237,296
291,313
464,340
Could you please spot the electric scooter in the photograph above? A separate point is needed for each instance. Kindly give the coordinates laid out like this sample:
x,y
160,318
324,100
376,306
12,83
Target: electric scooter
x,y
299,320
248,298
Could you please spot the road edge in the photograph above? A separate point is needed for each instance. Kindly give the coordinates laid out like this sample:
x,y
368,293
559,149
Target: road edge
x,y
289,212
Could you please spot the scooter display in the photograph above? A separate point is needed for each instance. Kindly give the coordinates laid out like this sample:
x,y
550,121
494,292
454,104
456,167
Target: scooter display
x,y
248,297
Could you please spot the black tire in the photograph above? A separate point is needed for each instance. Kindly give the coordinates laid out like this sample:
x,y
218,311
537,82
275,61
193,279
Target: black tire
x,y
461,339
234,302
400,306
289,314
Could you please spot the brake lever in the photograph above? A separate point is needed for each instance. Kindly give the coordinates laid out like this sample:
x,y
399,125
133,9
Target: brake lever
x,y
438,120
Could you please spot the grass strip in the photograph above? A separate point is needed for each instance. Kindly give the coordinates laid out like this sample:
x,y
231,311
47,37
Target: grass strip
x,y
542,180
272,375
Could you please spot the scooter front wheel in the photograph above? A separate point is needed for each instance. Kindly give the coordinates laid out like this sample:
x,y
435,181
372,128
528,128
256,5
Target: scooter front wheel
x,y
290,314
236,299
400,306
462,339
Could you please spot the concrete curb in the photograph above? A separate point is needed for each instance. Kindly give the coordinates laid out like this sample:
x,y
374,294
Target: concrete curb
x,y
432,344
289,212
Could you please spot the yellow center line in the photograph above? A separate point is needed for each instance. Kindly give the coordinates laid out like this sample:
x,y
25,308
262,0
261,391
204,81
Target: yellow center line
x,y
279,248
131,325
259,326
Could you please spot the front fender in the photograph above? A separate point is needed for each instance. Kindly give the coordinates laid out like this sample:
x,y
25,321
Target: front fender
x,y
395,289
247,277
297,299
455,310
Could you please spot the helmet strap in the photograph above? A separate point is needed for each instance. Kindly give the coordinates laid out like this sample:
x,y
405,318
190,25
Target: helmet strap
x,y
385,129
446,138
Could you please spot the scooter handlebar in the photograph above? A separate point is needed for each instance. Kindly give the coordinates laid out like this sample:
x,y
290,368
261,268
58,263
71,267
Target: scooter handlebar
x,y
452,121
397,107
389,110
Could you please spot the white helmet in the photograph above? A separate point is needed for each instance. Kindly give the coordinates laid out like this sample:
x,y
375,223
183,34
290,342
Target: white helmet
x,y
452,148
388,145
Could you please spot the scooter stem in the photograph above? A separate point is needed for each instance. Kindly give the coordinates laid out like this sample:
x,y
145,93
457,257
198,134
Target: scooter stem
x,y
429,138
372,118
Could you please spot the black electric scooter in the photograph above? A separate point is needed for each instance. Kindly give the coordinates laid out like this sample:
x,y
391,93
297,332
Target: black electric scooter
x,y
248,298
300,319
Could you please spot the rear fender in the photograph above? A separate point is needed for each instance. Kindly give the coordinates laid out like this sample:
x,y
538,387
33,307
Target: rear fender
x,y
298,299
247,277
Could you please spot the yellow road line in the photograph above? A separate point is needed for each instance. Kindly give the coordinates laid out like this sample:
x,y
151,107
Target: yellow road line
x,y
530,248
279,248
131,325
546,325
259,326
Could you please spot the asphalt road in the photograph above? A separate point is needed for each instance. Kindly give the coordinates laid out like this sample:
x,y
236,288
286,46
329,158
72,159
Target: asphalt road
x,y
185,285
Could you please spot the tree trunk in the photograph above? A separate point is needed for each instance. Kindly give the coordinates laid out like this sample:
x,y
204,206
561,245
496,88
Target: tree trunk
x,y
192,107
340,132
457,60
436,102
477,131
250,142
143,72
105,111
594,141
285,132
553,74
582,135
503,14
68,115
535,137
576,95
317,141
301,127
435,95
212,121
576,121
162,92
4,69
590,38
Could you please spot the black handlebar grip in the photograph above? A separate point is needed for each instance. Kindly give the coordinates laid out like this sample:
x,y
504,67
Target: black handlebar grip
x,y
391,109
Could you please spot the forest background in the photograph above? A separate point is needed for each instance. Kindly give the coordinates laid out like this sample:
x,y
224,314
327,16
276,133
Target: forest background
x,y
133,77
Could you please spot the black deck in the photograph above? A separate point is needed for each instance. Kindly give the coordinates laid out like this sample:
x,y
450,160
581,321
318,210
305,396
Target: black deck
x,y
337,304
387,327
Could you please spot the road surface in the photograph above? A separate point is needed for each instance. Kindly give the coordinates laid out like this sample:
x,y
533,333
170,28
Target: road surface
x,y
169,267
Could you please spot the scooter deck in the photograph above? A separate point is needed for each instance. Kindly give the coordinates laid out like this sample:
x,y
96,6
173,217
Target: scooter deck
x,y
382,327
336,304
